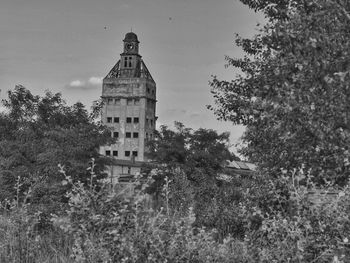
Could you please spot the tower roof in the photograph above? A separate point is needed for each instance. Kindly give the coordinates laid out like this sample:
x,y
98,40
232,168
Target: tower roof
x,y
141,71
131,36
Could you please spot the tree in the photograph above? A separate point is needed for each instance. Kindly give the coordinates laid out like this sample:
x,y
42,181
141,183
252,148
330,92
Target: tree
x,y
39,133
188,164
293,93
199,152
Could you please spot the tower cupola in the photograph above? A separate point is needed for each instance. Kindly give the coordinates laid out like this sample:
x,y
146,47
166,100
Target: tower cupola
x,y
131,43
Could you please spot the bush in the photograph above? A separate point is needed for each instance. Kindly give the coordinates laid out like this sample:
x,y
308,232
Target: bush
x,y
21,239
108,226
313,230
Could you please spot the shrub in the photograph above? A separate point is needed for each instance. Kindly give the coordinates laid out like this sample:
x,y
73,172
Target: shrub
x,y
21,239
108,226
310,232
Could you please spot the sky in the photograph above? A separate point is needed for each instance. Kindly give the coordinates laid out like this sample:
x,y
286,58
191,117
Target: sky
x,y
68,46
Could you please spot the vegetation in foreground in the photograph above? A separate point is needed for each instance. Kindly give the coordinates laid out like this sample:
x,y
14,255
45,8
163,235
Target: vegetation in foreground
x,y
101,225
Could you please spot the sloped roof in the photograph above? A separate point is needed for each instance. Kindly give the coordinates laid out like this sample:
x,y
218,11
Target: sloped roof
x,y
236,168
241,165
141,71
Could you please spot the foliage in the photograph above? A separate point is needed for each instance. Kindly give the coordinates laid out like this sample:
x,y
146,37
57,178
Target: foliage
x,y
189,163
22,241
317,228
109,226
105,224
293,92
38,133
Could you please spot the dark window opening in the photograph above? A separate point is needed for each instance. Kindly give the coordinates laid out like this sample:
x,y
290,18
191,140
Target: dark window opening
x,y
109,119
117,101
127,153
129,101
115,153
108,153
147,90
109,101
129,170
151,122
128,120
125,62
136,120
130,62
116,119
135,134
134,153
128,135
137,101
115,134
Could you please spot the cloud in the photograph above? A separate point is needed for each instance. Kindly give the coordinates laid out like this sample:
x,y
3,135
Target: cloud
x,y
92,82
76,84
95,81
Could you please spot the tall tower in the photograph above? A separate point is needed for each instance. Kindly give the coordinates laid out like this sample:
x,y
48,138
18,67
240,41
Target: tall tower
x,y
129,95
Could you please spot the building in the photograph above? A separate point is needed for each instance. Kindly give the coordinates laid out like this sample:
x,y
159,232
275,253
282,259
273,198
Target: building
x,y
237,170
129,95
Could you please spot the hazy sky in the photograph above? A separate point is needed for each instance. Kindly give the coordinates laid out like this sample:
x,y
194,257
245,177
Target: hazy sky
x,y
68,46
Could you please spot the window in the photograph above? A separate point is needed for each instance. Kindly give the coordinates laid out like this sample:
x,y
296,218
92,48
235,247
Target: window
x,y
109,101
147,90
109,119
128,120
151,122
135,135
129,102
153,92
136,101
130,62
115,134
129,170
108,153
116,119
128,135
134,153
115,153
117,101
127,153
146,136
125,62
136,120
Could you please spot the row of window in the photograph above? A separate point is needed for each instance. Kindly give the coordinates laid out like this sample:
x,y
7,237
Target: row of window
x,y
129,102
126,153
134,135
127,135
128,120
